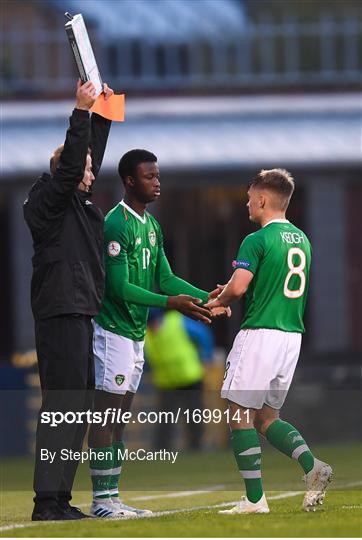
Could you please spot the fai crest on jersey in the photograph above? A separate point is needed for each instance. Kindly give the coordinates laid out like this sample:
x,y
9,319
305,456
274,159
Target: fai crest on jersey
x,y
113,248
119,379
152,238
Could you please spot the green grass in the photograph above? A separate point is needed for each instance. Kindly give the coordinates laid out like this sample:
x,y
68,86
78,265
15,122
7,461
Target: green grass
x,y
340,515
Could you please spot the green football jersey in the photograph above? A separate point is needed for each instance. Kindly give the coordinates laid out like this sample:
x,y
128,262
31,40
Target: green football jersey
x,y
130,242
135,262
279,256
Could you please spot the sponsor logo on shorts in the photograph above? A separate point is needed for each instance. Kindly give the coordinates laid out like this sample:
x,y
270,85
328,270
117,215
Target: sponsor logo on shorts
x,y
119,379
152,238
240,264
113,248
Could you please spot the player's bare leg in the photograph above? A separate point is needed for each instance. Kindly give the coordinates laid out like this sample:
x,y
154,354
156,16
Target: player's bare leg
x,y
247,451
288,440
102,461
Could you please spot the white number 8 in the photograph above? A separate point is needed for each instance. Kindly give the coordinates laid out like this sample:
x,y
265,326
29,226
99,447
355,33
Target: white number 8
x,y
295,271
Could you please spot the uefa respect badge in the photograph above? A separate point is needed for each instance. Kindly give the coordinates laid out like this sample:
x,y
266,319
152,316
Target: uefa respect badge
x,y
240,264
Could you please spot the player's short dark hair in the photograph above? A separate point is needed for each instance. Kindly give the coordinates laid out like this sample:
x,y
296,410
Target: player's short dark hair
x,y
130,160
278,181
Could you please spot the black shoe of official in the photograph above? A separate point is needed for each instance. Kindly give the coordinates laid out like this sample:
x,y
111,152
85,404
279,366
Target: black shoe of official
x,y
51,513
74,511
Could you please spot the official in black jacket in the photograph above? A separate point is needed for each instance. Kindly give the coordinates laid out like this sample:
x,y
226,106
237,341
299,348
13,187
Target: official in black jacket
x,y
66,291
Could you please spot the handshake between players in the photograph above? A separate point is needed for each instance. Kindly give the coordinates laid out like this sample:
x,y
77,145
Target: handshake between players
x,y
190,306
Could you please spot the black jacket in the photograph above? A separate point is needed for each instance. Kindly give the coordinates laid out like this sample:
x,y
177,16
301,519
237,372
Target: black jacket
x,y
67,229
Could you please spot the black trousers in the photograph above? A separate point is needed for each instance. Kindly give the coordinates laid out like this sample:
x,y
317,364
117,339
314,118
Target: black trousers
x,y
187,397
66,371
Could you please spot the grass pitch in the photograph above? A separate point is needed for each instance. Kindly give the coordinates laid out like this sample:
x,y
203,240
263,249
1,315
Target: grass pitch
x,y
187,495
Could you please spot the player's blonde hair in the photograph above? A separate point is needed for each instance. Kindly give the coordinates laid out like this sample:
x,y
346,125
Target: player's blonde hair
x,y
279,181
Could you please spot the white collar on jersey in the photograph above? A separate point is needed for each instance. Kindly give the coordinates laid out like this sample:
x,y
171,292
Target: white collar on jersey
x,y
131,211
276,221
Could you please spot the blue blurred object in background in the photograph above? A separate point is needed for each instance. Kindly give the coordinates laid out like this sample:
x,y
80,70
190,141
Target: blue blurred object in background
x,y
13,417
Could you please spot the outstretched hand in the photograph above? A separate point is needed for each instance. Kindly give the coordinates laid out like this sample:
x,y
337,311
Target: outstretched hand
x,y
220,311
217,309
217,291
188,305
107,91
85,96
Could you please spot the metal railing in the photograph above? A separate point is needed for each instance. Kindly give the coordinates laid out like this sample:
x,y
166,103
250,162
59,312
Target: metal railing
x,y
325,52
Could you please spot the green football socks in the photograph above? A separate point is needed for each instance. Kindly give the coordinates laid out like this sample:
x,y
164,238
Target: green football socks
x,y
247,451
118,449
101,466
288,440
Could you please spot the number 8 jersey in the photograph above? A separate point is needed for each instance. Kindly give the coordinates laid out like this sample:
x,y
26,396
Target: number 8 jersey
x,y
279,256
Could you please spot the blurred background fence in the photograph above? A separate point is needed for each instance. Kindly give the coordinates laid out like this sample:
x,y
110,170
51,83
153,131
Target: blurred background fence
x,y
181,45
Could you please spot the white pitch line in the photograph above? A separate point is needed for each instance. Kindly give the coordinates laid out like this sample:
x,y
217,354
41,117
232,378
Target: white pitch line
x,y
177,494
286,495
155,514
350,484
220,505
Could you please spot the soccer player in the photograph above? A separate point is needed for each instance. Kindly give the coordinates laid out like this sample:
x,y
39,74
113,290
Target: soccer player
x,y
272,270
135,260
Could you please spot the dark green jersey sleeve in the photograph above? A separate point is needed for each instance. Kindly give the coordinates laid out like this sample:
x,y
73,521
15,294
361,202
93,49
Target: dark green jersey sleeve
x,y
171,284
250,253
117,244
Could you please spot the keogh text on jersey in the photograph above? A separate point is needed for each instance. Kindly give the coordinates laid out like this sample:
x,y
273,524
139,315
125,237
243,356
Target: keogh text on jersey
x,y
292,238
